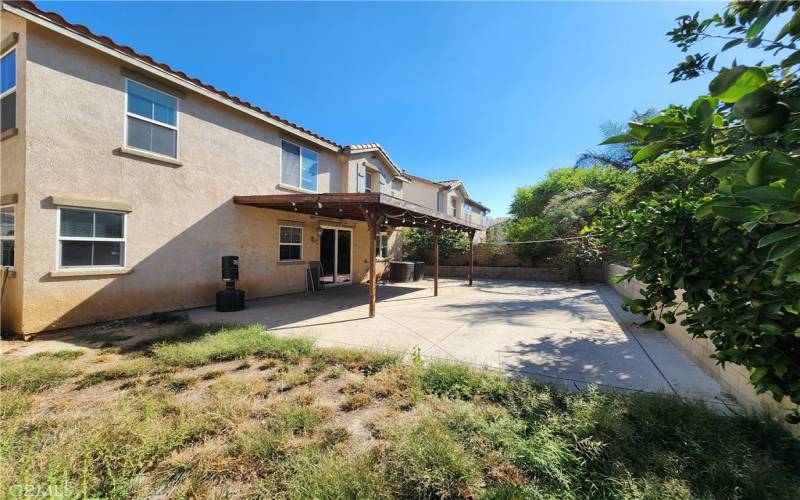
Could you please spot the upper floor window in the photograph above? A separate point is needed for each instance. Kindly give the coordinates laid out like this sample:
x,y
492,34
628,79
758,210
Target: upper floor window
x,y
91,238
151,120
7,235
298,166
454,207
468,210
368,182
8,90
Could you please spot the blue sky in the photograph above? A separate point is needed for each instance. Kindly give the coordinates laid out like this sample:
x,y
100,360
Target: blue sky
x,y
494,94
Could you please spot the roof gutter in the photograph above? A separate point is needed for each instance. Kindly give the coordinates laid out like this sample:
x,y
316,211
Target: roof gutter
x,y
165,75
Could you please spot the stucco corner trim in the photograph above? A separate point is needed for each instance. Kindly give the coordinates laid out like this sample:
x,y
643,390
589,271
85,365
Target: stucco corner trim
x,y
9,199
70,201
9,133
9,41
96,271
149,156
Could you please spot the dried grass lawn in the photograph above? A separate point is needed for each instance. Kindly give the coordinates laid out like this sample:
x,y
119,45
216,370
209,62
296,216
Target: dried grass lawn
x,y
214,411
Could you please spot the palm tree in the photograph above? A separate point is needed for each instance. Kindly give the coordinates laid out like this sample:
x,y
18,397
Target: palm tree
x,y
613,155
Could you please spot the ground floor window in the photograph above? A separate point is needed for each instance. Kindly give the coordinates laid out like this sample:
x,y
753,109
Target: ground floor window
x,y
290,245
7,234
382,246
91,238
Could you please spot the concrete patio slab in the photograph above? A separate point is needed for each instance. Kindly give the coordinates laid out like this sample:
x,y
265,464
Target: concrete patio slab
x,y
573,335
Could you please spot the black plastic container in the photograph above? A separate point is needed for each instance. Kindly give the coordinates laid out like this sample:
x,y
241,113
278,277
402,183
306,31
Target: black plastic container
x,y
230,299
401,272
419,270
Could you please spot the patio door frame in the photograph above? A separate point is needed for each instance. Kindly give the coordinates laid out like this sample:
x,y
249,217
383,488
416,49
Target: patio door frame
x,y
336,230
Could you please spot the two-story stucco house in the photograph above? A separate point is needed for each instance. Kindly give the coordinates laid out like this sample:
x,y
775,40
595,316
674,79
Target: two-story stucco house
x,y
124,181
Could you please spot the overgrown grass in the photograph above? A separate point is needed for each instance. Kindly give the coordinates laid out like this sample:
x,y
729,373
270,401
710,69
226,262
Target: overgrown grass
x,y
123,369
100,456
229,343
424,460
441,431
366,362
39,372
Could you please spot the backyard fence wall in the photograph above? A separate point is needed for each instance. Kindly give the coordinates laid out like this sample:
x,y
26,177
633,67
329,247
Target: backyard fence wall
x,y
486,256
734,379
518,273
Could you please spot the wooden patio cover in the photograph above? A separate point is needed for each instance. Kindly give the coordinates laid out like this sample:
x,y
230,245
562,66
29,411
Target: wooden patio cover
x,y
376,209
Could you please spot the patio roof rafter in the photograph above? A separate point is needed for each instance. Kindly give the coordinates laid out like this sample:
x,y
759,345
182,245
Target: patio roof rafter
x,y
377,210
398,213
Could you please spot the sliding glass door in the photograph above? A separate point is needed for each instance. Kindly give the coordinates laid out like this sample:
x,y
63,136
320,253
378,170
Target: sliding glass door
x,y
335,254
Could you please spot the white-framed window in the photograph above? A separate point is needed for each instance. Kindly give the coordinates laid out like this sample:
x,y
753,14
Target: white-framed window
x,y
151,119
8,90
382,246
368,182
298,166
290,243
7,234
454,206
91,238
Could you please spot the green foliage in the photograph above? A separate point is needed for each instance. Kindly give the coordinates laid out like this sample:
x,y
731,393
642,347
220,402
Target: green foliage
x,y
530,229
561,205
452,380
736,250
667,174
532,201
729,296
418,243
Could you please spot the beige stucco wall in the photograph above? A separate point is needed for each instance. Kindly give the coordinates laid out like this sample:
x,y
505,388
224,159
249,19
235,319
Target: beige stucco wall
x,y
734,379
421,192
374,164
12,177
183,218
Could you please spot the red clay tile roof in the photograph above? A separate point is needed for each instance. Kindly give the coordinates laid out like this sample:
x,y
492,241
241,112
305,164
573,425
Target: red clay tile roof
x,y
109,42
374,146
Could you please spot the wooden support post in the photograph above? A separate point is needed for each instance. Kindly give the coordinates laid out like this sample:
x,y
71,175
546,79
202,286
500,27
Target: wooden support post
x,y
436,231
471,255
372,219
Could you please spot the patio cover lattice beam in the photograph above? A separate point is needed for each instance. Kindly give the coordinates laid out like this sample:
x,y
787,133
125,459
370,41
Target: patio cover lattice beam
x,y
376,209
398,213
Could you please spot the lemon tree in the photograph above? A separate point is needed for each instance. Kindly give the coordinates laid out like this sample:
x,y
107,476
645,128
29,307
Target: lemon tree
x,y
732,240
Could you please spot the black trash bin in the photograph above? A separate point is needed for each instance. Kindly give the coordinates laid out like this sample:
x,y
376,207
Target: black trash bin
x,y
401,272
419,270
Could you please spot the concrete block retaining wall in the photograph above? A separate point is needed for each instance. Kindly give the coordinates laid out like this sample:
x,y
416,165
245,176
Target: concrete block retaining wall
x,y
734,379
513,273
